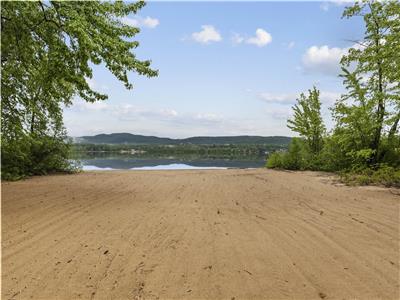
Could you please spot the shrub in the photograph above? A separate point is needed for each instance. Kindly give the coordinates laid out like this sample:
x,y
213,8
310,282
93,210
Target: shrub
x,y
37,155
387,176
275,160
384,175
296,158
293,160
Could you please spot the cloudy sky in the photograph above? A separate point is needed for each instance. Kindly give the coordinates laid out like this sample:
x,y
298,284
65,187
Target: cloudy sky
x,y
224,69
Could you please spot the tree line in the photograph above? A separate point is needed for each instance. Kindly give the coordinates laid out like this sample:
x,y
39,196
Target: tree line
x,y
215,150
364,145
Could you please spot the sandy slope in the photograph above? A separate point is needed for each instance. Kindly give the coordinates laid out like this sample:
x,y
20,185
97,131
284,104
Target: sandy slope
x,y
216,234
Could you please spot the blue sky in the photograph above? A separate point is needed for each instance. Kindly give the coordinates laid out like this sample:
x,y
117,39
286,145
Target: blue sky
x,y
225,68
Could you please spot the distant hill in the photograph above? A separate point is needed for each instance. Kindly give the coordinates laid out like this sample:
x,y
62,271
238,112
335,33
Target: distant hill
x,y
125,138
128,138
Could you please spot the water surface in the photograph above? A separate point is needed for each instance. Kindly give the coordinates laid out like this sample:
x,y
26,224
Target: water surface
x,y
131,162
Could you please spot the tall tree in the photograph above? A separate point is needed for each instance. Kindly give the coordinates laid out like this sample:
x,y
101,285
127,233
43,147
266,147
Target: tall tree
x,y
307,120
354,130
376,60
48,50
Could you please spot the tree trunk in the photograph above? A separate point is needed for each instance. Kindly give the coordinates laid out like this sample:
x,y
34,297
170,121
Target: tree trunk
x,y
393,129
380,113
32,122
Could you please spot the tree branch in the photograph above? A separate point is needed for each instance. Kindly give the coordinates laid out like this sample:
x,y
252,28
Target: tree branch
x,y
45,16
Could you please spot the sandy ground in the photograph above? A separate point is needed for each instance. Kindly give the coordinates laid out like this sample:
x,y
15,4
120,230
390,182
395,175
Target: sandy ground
x,y
216,234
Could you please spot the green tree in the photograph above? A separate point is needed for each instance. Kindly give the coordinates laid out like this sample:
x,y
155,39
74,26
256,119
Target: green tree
x,y
371,108
354,131
48,50
364,145
293,159
307,120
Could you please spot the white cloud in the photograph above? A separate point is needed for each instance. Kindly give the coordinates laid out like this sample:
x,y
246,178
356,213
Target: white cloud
x,y
94,85
126,117
280,113
208,117
206,35
342,2
129,21
261,39
131,112
327,97
285,98
81,105
327,4
323,59
150,22
237,38
141,22
279,106
171,123
122,111
91,82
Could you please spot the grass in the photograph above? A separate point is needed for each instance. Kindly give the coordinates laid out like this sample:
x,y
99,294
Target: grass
x,y
385,176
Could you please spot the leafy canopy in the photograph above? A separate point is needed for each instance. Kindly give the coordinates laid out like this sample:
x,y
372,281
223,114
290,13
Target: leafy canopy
x,y
371,70
307,120
70,35
365,141
48,50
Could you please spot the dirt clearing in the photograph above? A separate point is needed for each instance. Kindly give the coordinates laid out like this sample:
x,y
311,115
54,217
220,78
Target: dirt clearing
x,y
210,234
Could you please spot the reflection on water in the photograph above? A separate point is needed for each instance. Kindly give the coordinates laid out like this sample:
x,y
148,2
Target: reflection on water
x,y
158,167
129,162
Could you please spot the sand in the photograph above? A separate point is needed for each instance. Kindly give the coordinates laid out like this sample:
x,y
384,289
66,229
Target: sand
x,y
208,234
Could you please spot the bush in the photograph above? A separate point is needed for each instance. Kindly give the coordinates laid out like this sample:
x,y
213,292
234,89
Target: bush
x,y
353,166
275,160
296,158
384,175
14,159
38,155
391,152
331,158
387,176
293,160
